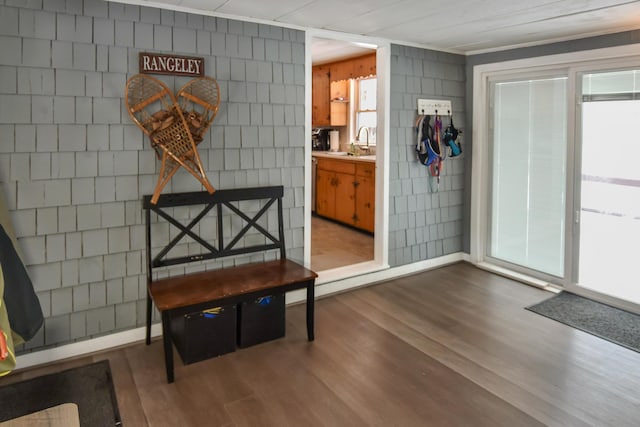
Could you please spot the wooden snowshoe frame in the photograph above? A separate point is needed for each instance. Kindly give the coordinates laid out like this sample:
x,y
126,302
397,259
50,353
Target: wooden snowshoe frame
x,y
154,109
199,100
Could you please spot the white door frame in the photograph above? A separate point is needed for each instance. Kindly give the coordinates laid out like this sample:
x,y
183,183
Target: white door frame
x,y
381,232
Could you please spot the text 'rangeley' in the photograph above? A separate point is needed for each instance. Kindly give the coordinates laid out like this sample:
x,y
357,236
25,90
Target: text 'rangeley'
x,y
153,63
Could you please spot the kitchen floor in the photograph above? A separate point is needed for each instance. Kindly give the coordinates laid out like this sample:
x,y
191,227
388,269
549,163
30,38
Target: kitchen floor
x,y
334,245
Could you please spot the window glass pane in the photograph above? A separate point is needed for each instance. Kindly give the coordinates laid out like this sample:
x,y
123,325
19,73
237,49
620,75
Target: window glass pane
x,y
367,119
609,240
366,113
611,83
529,175
367,95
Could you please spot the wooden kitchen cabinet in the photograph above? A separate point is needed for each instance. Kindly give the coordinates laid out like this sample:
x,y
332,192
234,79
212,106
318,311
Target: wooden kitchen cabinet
x,y
335,192
320,96
345,192
339,112
365,196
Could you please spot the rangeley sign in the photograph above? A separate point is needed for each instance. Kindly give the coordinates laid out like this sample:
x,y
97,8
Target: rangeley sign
x,y
155,63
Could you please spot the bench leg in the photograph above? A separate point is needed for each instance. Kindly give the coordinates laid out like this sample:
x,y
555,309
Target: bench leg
x,y
148,336
168,348
310,310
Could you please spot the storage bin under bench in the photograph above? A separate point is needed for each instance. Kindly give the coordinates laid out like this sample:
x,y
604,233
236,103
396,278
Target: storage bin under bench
x,y
183,300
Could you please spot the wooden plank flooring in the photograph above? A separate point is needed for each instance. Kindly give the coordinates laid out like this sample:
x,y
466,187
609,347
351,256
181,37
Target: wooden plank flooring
x,y
334,245
448,347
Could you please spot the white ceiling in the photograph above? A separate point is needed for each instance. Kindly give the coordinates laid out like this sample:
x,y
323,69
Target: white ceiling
x,y
463,26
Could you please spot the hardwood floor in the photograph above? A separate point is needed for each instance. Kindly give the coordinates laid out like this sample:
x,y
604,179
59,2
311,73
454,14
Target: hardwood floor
x,y
334,245
448,347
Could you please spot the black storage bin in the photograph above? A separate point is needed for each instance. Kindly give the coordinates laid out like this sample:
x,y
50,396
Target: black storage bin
x,y
261,320
205,334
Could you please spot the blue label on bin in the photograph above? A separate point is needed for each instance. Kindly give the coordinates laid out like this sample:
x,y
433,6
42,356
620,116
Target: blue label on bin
x,y
264,300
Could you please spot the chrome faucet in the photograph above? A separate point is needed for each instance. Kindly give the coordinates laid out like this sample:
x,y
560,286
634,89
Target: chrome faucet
x,y
360,131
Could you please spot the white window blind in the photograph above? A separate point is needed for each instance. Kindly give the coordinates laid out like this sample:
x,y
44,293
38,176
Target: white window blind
x,y
528,191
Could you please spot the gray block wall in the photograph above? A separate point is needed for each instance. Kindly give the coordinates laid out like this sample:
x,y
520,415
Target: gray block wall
x,y
425,219
74,167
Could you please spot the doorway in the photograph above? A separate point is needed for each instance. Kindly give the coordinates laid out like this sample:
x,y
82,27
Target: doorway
x,y
334,249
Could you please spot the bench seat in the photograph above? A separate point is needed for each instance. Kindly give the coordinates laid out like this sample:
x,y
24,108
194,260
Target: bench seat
x,y
217,285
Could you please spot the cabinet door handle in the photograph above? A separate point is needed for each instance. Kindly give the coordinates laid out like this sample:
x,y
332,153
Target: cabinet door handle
x,y
356,183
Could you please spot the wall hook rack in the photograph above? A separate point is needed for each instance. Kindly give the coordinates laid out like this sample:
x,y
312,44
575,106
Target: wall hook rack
x,y
433,106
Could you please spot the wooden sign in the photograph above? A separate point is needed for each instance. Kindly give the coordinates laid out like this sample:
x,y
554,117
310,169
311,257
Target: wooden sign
x,y
155,63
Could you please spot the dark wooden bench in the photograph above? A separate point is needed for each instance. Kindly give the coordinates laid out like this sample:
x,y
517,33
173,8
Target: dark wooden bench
x,y
236,233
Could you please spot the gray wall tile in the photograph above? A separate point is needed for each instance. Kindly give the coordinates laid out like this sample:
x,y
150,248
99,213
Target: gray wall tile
x,y
36,52
11,48
162,38
84,56
15,109
143,35
9,20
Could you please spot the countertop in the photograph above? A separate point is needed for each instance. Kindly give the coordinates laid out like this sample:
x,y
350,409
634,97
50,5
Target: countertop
x,y
343,156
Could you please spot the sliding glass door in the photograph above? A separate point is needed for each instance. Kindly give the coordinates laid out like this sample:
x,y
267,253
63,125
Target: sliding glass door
x,y
556,175
528,140
609,204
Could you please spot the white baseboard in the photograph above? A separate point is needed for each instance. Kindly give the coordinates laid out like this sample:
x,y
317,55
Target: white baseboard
x,y
85,347
327,284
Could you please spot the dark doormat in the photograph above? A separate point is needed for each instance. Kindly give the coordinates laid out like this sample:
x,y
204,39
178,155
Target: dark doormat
x,y
602,320
90,387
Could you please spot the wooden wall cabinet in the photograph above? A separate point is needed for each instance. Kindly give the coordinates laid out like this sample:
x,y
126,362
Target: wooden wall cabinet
x,y
345,192
320,96
339,113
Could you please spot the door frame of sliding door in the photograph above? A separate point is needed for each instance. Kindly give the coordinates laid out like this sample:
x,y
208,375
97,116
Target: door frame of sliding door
x,y
483,75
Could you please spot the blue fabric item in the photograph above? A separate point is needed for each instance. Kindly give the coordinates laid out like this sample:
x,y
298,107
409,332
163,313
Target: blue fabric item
x,y
456,150
432,155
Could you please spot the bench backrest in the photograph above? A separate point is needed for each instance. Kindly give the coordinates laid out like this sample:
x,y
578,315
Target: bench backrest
x,y
232,225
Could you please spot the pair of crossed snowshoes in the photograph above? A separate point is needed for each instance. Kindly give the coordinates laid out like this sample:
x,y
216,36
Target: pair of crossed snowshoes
x,y
175,124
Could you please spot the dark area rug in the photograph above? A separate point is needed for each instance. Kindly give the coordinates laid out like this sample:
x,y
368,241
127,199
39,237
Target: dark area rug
x,y
90,387
602,320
